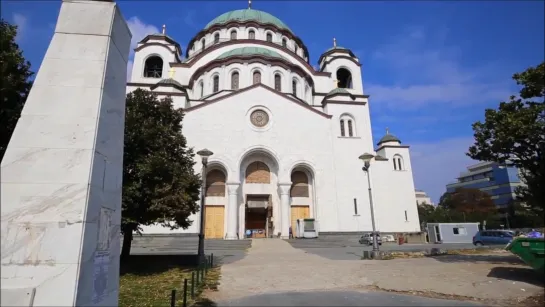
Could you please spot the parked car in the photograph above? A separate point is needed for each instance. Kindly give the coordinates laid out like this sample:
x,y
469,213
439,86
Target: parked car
x,y
493,237
388,238
368,239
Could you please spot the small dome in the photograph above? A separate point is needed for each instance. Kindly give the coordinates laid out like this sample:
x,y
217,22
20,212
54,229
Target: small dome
x,y
249,51
247,15
169,81
338,90
388,138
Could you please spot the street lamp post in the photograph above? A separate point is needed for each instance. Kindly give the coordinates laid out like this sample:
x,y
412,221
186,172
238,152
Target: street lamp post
x,y
204,153
366,158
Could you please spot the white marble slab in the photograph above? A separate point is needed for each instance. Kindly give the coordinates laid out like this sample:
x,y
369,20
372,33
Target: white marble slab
x,y
61,176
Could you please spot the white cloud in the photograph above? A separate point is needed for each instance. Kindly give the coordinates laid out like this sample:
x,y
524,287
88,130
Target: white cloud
x,y
429,72
437,164
139,30
21,22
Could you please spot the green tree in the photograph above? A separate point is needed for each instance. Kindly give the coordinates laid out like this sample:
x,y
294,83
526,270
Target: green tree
x,y
468,205
159,183
515,134
14,86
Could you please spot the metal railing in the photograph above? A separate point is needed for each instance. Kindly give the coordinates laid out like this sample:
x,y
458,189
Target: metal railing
x,y
191,288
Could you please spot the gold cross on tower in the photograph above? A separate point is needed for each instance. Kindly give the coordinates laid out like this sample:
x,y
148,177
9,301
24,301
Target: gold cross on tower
x,y
164,29
171,73
387,130
249,4
334,42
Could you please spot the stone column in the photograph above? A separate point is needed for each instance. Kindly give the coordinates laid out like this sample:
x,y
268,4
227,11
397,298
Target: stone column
x,y
61,176
232,210
285,209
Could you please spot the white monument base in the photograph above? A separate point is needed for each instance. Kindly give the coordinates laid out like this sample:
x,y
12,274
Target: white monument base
x,y
61,175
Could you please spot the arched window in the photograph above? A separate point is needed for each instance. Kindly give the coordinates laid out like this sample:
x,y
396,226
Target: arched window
x,y
269,37
348,127
215,183
350,131
256,77
294,87
153,67
299,186
216,38
233,34
284,43
258,172
278,82
201,88
295,49
216,85
251,34
398,163
202,44
234,80
344,78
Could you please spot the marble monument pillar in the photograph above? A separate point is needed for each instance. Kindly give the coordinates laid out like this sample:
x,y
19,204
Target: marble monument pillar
x,y
61,175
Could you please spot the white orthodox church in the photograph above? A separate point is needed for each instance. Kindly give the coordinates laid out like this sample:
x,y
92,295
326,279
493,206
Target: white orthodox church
x,y
285,136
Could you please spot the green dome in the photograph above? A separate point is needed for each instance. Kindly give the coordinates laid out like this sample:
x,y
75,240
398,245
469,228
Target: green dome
x,y
247,15
248,51
338,90
388,138
169,81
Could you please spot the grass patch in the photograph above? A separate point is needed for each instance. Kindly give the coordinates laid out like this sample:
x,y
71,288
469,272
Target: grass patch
x,y
149,282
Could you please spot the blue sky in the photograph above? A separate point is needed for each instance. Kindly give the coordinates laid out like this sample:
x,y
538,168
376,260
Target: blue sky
x,y
431,67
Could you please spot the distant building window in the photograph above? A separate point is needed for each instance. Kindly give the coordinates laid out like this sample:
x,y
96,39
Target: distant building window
x,y
216,38
256,77
251,34
216,82
278,82
459,231
233,34
269,37
234,81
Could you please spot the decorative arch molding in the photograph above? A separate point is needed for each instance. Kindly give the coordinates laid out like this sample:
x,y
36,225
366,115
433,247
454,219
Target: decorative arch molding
x,y
300,164
249,24
339,57
337,50
245,159
250,60
193,60
176,55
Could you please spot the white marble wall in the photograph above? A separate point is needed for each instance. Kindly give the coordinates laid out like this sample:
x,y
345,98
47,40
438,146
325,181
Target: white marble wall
x,y
61,176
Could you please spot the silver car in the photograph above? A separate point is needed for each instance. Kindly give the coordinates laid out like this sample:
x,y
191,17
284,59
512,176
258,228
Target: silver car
x,y
367,239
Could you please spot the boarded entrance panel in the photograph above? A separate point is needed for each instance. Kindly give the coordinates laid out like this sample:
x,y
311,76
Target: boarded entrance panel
x,y
213,224
298,212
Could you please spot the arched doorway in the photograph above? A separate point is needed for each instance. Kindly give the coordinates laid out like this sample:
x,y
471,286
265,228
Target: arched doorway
x,y
301,195
344,77
214,219
259,194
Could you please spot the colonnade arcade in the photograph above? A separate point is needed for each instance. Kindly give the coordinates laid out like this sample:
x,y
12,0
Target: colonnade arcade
x,y
256,203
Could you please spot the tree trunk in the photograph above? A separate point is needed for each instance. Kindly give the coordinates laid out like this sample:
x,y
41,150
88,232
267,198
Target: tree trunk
x,y
127,241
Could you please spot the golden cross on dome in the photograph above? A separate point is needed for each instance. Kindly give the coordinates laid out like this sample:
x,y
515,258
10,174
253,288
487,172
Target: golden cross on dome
x,y
171,72
249,4
164,29
334,42
387,130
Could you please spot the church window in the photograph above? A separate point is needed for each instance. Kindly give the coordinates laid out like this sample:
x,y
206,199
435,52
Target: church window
x,y
284,43
256,77
234,81
342,127
295,49
258,172
278,82
202,44
216,38
259,118
294,87
350,132
215,183
344,78
398,163
348,126
269,37
201,86
406,217
233,34
153,67
216,84
299,186
355,206
251,34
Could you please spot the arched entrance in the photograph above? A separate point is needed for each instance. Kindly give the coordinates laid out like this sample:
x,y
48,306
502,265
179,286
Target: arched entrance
x,y
215,201
302,203
259,194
